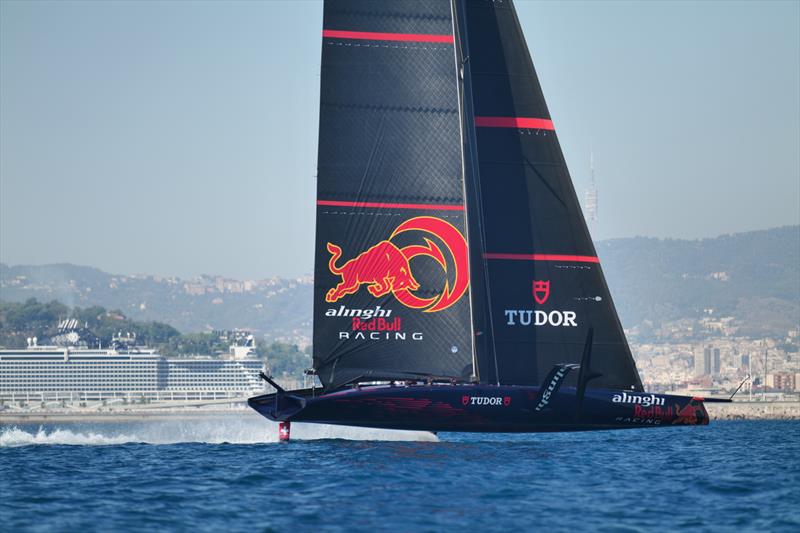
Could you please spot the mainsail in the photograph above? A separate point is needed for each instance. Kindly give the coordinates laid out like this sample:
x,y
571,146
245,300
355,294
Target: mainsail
x,y
391,273
450,242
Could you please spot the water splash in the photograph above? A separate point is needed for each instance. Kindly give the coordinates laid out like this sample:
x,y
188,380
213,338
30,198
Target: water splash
x,y
15,436
235,429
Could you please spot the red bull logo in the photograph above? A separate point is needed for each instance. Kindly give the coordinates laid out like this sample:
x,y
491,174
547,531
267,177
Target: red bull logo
x,y
655,412
692,414
386,268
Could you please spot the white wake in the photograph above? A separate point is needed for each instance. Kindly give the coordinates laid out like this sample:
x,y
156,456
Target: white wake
x,y
14,436
236,429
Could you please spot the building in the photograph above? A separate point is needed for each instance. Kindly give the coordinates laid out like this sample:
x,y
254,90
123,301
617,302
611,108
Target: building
x,y
784,381
704,368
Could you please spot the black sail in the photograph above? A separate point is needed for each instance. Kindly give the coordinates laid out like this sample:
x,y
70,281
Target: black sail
x,y
543,287
391,268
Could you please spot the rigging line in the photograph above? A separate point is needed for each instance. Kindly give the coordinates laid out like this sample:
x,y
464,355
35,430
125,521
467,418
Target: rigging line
x,y
458,53
372,156
745,380
477,188
544,181
581,226
368,169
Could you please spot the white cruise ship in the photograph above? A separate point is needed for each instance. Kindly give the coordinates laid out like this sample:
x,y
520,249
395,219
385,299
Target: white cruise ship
x,y
125,373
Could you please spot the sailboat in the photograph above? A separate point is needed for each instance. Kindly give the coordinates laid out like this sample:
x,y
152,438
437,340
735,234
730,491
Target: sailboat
x,y
456,286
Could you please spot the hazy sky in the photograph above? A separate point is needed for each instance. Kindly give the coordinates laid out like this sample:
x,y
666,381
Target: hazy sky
x,y
180,138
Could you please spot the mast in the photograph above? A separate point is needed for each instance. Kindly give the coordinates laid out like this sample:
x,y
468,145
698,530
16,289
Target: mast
x,y
459,60
485,350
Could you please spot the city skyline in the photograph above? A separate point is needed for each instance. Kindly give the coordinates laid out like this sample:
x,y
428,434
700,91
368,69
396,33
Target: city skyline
x,y
180,138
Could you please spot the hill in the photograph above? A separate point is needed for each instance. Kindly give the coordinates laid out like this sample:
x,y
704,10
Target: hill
x,y
279,309
753,277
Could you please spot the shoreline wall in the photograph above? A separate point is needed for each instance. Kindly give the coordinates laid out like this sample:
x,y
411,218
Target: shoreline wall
x,y
754,411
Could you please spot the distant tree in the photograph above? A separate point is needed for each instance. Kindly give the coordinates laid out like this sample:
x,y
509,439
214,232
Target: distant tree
x,y
285,359
18,321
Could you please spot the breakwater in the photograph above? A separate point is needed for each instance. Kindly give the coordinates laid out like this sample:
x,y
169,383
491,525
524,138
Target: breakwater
x,y
754,410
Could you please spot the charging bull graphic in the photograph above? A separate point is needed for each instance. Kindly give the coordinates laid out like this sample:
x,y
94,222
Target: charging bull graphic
x,y
383,267
386,268
693,413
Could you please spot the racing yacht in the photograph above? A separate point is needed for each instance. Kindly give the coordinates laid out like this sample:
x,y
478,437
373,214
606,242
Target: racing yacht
x,y
456,285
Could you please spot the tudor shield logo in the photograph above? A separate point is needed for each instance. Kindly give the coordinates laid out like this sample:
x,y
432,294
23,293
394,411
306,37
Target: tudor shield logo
x,y
386,268
541,291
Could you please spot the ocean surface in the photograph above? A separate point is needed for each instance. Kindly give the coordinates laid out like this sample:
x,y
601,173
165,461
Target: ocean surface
x,y
229,474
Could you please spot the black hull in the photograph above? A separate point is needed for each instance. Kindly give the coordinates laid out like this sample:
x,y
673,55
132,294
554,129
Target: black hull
x,y
481,408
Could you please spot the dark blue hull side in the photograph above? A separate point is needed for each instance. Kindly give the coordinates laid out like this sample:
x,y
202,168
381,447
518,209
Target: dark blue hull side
x,y
481,408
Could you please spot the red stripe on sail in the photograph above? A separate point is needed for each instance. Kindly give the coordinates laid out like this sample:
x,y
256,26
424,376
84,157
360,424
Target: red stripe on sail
x,y
514,122
384,205
544,257
376,36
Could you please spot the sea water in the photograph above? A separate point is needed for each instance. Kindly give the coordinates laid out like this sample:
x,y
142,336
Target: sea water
x,y
230,474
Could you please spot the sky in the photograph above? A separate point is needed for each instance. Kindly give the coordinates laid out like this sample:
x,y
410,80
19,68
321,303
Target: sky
x,y
179,138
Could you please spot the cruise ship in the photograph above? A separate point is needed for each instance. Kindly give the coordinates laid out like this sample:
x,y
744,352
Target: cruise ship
x,y
68,372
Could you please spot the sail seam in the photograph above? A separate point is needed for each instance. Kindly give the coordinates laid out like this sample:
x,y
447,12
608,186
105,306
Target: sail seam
x,y
543,257
393,46
386,214
524,164
390,15
433,110
385,205
380,36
